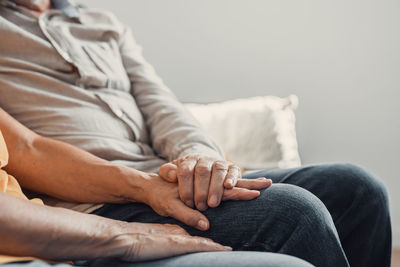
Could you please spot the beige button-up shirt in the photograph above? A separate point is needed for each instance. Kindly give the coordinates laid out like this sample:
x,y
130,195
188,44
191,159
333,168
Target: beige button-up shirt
x,y
84,81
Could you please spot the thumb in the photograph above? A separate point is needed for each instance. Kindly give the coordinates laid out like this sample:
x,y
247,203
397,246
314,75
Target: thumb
x,y
189,216
168,172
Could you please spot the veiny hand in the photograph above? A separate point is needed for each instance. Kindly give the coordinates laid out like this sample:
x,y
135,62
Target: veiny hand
x,y
202,180
163,198
154,241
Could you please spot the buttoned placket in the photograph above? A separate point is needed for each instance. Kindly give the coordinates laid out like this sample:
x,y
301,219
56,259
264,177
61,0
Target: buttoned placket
x,y
115,108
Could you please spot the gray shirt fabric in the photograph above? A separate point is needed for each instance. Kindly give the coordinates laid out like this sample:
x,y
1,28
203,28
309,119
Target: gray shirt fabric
x,y
84,81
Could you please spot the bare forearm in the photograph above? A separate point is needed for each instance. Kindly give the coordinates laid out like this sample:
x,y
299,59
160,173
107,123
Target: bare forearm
x,y
68,173
64,171
30,229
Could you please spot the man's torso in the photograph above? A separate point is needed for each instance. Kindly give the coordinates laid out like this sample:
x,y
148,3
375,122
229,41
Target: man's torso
x,y
65,79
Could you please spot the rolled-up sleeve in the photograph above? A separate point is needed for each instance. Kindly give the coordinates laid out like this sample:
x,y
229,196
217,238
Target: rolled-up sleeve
x,y
173,131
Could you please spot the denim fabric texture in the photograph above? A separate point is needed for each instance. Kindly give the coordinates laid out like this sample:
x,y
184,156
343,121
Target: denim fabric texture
x,y
327,215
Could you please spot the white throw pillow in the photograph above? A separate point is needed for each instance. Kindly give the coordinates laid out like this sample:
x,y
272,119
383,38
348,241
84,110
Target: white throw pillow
x,y
255,133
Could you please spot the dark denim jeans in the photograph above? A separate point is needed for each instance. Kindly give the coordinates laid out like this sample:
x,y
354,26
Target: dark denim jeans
x,y
328,215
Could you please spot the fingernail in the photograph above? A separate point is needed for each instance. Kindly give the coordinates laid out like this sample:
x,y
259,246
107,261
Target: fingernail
x,y
172,174
227,248
229,181
213,201
202,225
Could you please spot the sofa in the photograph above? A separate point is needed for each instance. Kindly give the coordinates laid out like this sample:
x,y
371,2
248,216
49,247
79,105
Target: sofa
x,y
255,133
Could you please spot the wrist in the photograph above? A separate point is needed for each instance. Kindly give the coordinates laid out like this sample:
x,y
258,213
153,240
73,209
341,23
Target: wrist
x,y
88,237
115,239
135,187
109,240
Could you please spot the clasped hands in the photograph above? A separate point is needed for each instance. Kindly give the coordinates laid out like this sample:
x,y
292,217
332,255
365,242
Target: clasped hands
x,y
197,181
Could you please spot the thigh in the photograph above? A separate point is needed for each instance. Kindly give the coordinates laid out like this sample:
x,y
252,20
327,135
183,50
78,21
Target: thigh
x,y
338,185
261,224
214,259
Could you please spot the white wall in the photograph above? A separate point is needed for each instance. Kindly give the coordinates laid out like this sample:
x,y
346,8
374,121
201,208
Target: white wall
x,y
340,57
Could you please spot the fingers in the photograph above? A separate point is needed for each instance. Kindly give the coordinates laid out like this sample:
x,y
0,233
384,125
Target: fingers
x,y
201,182
168,172
152,228
185,174
189,244
257,184
247,189
216,189
201,244
233,175
240,194
191,217
145,247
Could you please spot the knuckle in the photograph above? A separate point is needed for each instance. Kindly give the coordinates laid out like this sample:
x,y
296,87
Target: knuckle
x,y
204,241
184,172
207,240
186,158
169,209
234,167
220,165
202,170
178,229
176,239
234,170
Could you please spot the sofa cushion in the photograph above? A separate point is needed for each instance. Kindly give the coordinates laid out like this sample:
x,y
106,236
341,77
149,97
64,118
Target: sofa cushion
x,y
255,133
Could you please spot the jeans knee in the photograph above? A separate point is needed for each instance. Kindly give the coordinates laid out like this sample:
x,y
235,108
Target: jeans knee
x,y
355,181
298,204
297,215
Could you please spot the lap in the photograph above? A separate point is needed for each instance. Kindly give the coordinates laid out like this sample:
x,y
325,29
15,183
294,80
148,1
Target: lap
x,y
336,185
243,225
311,198
217,259
205,259
327,189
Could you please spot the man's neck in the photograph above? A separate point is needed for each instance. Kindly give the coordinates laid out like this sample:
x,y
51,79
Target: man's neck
x,y
37,7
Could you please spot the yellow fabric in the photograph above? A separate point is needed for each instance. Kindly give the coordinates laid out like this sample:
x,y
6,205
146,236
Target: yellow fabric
x,y
9,185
